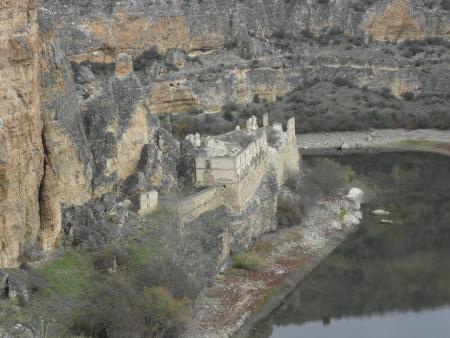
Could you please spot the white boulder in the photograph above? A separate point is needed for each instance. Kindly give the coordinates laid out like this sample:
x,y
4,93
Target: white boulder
x,y
350,220
380,212
336,225
355,196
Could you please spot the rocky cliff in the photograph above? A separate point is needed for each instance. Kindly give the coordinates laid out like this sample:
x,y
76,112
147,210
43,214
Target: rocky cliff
x,y
21,150
84,81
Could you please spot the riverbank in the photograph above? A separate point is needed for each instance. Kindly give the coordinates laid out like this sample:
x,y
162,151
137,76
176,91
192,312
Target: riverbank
x,y
430,140
239,298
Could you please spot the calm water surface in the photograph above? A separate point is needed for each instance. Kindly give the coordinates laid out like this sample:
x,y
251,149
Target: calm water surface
x,y
385,281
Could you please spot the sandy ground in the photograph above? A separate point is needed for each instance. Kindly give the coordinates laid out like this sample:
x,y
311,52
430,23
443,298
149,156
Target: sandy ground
x,y
398,139
243,297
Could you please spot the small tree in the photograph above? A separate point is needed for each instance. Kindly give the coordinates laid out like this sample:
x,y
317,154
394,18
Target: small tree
x,y
228,115
408,96
164,316
329,176
228,111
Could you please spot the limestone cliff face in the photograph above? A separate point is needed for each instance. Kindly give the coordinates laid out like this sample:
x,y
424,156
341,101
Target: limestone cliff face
x,y
191,25
100,29
21,151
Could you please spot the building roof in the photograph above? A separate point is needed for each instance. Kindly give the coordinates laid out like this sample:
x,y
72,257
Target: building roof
x,y
229,144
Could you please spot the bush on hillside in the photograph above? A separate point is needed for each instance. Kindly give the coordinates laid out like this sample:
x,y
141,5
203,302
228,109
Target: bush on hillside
x,y
246,261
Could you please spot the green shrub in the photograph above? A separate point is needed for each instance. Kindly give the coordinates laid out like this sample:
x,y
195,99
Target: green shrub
x,y
342,82
228,115
386,92
162,313
228,109
246,261
408,96
342,213
279,34
230,44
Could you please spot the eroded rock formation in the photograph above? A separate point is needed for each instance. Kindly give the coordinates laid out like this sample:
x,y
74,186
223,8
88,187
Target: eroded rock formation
x,y
21,150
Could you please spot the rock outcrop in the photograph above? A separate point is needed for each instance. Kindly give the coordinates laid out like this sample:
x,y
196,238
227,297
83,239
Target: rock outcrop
x,y
21,150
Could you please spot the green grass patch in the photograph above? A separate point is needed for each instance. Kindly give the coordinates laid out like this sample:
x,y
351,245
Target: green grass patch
x,y
415,144
342,213
145,246
421,145
68,276
247,261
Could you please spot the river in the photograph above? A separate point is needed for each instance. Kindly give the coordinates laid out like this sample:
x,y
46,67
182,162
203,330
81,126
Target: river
x,y
385,280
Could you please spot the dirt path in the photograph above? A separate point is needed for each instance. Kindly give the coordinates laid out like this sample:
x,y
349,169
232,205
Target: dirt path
x,y
241,296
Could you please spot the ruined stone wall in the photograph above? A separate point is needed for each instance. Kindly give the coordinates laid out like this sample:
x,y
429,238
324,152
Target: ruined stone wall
x,y
216,170
284,155
288,161
191,207
249,158
250,182
21,150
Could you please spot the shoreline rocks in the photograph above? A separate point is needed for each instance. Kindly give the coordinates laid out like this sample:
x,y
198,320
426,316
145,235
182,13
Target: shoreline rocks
x,y
356,197
380,212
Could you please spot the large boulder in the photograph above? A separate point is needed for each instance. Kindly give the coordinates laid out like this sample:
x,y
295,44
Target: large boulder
x,y
355,196
167,143
159,161
136,184
188,152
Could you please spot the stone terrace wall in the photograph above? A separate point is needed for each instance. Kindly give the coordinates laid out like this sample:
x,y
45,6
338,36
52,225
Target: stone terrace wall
x,y
191,207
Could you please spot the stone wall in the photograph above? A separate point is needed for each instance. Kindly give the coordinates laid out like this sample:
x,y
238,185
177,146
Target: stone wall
x,y
216,170
286,156
191,207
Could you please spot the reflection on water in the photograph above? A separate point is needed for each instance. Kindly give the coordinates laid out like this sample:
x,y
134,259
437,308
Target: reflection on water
x,y
389,281
389,325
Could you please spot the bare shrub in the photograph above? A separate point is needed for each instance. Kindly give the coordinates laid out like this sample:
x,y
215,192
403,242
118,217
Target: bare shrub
x,y
290,212
328,176
116,310
164,316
